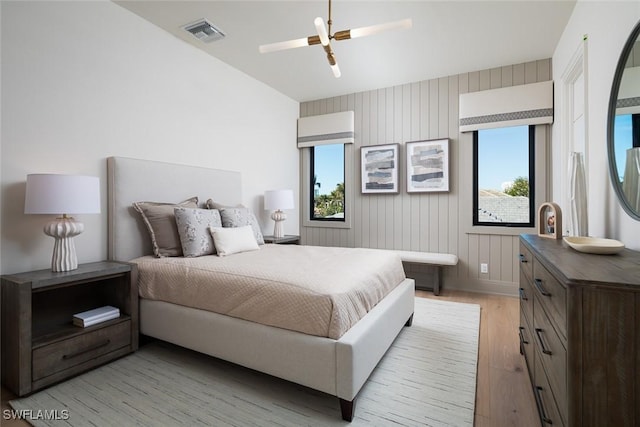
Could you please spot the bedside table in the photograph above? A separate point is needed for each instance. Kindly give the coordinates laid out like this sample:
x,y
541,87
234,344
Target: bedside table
x,y
288,239
40,344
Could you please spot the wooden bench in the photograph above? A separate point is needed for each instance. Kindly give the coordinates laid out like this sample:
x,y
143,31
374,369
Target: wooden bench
x,y
428,275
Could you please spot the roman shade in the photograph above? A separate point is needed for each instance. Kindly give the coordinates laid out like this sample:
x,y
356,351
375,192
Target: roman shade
x,y
530,104
334,128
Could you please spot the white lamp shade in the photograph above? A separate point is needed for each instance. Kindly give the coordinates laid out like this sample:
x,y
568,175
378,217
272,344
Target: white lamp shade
x,y
278,199
62,194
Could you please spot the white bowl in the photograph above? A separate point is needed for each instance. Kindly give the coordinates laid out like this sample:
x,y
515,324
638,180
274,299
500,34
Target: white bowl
x,y
594,245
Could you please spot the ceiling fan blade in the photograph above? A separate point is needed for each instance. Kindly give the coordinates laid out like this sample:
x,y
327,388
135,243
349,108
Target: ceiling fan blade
x,y
289,44
373,29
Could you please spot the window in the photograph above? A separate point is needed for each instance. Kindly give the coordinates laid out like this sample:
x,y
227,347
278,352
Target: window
x,y
626,134
327,192
503,170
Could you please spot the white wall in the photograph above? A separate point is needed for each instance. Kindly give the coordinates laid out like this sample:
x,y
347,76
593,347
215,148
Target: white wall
x,y
82,81
607,25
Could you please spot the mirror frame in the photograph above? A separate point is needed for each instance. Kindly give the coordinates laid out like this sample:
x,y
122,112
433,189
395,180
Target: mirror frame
x,y
613,99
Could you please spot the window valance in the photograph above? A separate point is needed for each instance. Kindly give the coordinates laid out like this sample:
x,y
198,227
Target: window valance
x,y
334,128
530,104
629,92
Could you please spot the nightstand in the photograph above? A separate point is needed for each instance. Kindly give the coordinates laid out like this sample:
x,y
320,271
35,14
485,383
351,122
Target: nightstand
x,y
40,344
288,239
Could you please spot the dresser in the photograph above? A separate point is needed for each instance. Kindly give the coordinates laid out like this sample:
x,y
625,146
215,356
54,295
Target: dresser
x,y
580,333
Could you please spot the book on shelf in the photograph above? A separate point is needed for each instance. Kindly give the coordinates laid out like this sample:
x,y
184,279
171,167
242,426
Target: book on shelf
x,y
95,316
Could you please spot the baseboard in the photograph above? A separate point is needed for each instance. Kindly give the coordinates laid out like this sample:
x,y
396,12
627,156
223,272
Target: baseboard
x,y
493,287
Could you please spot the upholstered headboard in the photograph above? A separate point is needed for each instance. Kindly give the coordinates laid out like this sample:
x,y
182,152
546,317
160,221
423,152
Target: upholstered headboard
x,y
135,180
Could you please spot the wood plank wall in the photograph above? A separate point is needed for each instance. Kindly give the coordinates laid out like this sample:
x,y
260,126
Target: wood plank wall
x,y
429,222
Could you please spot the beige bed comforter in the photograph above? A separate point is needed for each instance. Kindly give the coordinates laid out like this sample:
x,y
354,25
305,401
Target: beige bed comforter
x,y
310,289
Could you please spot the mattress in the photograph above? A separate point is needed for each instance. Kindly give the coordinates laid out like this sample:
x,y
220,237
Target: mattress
x,y
315,290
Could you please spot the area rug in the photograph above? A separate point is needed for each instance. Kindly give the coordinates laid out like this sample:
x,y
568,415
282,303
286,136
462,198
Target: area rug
x,y
427,378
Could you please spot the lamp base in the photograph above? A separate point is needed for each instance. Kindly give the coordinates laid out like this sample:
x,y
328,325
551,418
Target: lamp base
x,y
278,216
63,230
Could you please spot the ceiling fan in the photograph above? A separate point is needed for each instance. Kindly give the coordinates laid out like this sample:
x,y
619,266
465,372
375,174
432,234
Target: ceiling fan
x,y
324,37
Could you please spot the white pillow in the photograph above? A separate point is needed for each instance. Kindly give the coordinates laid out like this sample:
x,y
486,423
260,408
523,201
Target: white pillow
x,y
233,240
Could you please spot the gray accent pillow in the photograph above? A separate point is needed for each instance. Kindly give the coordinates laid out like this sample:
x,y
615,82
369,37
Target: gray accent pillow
x,y
210,204
193,229
161,223
238,217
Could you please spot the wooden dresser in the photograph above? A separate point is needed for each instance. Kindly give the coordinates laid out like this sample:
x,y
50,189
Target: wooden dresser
x,y
580,333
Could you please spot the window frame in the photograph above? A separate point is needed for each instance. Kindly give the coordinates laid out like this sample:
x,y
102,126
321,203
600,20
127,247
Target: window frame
x,y
305,185
635,129
532,185
311,198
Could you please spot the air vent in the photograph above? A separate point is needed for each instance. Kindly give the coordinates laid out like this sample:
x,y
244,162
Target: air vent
x,y
205,31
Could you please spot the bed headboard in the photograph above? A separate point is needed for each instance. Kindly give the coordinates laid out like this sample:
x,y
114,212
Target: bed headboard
x,y
134,180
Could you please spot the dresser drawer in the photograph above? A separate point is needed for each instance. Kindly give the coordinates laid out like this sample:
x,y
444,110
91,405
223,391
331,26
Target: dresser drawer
x,y
58,356
552,296
547,408
553,356
526,342
526,261
526,296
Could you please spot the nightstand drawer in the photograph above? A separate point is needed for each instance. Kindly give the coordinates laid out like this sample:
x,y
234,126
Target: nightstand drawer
x,y
56,357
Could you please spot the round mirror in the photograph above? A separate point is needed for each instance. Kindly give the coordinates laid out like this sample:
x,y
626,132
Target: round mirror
x,y
623,129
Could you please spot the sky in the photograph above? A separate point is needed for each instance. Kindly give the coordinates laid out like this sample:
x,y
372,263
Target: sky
x,y
329,167
503,155
622,138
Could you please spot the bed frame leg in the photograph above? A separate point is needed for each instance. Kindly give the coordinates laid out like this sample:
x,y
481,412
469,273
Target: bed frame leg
x,y
409,320
348,408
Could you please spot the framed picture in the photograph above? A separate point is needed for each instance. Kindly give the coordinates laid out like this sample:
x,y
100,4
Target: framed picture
x,y
550,220
379,168
428,165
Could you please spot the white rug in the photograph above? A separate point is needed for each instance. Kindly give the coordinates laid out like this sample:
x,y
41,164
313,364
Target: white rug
x,y
427,378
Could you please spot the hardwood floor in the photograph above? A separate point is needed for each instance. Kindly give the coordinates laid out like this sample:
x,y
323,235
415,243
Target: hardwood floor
x,y
503,392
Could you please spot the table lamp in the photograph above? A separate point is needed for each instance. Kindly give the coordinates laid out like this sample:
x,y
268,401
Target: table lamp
x,y
277,200
62,195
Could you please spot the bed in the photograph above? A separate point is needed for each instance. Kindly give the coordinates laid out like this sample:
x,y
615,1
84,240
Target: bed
x,y
337,366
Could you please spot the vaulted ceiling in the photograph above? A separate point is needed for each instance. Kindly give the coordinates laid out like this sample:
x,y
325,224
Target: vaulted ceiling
x,y
447,37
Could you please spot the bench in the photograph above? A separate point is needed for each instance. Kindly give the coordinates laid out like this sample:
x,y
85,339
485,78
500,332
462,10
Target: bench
x,y
430,267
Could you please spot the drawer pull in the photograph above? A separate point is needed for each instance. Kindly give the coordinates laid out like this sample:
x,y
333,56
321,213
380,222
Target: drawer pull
x,y
541,288
523,296
522,340
541,342
86,350
540,405
523,259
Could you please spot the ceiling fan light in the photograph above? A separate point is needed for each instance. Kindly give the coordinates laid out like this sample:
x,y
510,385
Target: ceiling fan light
x,y
289,44
375,29
322,31
336,70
